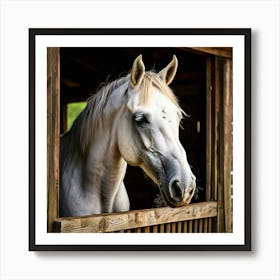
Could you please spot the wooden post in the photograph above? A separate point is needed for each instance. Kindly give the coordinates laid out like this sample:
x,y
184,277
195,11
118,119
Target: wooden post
x,y
209,90
53,126
215,130
227,143
224,94
219,144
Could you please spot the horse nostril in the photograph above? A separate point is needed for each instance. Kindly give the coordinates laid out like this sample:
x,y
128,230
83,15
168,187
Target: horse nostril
x,y
175,190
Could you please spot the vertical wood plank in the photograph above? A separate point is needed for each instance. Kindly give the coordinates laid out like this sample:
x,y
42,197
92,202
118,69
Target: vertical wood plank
x,y
138,230
185,226
155,229
215,129
190,226
161,228
205,225
167,228
227,143
173,227
195,226
220,139
146,229
209,90
179,227
53,126
210,224
200,225
224,218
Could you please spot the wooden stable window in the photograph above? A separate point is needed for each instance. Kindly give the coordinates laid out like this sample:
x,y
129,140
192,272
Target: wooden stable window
x,y
213,215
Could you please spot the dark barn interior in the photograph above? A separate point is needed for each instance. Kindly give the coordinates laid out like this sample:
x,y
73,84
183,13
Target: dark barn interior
x,y
84,69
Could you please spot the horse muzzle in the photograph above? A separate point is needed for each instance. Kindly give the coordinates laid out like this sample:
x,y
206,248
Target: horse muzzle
x,y
178,194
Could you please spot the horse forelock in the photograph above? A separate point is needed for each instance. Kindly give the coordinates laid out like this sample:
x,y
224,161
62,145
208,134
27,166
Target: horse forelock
x,y
150,80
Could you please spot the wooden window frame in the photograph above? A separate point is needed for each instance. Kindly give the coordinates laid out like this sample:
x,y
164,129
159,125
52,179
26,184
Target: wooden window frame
x,y
218,147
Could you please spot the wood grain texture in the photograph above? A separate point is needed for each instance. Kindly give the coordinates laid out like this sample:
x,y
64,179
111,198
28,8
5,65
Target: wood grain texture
x,y
224,91
137,219
53,127
227,143
209,92
220,140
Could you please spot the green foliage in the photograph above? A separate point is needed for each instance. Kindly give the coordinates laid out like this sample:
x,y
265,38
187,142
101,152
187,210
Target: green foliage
x,y
73,110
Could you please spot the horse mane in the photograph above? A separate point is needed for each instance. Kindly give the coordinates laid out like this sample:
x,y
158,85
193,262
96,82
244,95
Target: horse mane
x,y
90,119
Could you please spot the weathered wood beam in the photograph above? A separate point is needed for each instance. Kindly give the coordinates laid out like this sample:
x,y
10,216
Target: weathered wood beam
x,y
225,52
136,218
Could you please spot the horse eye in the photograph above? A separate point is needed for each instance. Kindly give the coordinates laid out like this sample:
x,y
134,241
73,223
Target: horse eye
x,y
141,120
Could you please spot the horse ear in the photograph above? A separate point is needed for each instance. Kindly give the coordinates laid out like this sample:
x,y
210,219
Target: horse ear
x,y
137,71
168,73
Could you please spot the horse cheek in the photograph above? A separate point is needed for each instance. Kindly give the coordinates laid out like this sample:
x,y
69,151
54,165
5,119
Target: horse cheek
x,y
126,145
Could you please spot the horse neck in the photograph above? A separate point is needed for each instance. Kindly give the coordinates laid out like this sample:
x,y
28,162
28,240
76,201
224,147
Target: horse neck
x,y
104,168
103,157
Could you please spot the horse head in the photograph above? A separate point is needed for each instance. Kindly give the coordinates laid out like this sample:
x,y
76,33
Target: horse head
x,y
148,132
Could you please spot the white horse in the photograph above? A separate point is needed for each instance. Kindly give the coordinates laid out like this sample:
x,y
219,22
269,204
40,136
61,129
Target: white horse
x,y
133,120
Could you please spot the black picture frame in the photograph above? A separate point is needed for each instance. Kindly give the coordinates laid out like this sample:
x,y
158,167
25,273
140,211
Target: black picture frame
x,y
245,33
